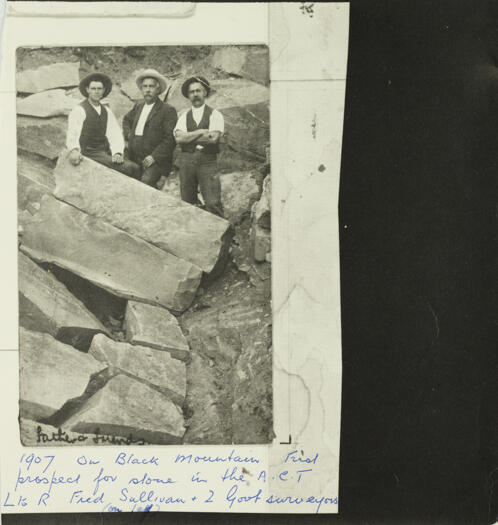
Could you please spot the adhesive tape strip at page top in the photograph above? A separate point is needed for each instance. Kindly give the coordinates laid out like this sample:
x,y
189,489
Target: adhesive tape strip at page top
x,y
98,8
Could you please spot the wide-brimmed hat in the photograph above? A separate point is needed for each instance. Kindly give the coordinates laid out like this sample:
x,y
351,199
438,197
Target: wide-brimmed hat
x,y
152,73
190,80
99,77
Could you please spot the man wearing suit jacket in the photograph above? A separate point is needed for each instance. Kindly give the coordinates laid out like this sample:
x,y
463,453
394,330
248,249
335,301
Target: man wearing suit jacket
x,y
148,128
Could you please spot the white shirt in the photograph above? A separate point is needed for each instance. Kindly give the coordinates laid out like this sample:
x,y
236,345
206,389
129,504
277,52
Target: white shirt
x,y
139,130
216,121
75,122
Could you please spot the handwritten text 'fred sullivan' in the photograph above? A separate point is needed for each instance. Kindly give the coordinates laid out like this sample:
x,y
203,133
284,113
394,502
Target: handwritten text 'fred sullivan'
x,y
145,483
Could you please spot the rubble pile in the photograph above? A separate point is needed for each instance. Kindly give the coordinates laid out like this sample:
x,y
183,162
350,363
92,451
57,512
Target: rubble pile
x,y
143,319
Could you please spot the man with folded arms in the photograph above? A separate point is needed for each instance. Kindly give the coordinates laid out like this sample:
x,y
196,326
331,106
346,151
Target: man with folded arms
x,y
93,130
148,128
198,132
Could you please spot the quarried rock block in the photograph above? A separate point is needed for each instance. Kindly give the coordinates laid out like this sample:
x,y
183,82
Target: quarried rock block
x,y
108,257
45,137
46,305
51,373
239,191
51,103
155,327
126,407
61,74
170,224
153,366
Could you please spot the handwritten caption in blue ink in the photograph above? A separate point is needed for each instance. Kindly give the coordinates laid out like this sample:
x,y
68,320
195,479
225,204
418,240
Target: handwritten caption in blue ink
x,y
149,483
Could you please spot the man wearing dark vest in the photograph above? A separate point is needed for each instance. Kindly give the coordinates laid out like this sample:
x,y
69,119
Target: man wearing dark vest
x,y
148,128
93,131
198,132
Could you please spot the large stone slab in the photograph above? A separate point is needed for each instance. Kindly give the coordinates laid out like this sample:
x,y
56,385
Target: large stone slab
x,y
119,103
46,305
45,137
239,191
230,59
248,62
247,129
174,226
155,327
153,366
51,373
36,169
34,180
51,103
62,74
125,407
108,257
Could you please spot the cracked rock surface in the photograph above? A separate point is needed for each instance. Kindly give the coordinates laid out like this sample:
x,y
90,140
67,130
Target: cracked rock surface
x,y
122,264
155,327
125,406
51,373
46,305
154,367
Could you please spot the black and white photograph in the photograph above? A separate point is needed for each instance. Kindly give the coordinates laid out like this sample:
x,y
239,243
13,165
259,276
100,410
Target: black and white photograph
x,y
144,236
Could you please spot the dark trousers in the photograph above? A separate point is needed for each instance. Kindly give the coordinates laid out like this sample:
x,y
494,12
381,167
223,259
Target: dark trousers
x,y
150,175
128,167
201,171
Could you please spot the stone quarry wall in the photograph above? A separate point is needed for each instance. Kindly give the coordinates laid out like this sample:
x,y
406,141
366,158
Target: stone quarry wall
x,y
143,319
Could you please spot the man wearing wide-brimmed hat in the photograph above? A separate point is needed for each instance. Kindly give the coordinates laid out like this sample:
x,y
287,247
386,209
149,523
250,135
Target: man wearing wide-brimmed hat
x,y
93,130
148,128
198,132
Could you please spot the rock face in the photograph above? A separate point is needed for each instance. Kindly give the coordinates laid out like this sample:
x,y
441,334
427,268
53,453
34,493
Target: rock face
x,y
37,170
247,129
153,366
34,180
125,406
238,192
51,373
230,338
52,103
155,327
251,396
110,258
46,305
62,74
45,137
174,226
230,59
250,62
119,103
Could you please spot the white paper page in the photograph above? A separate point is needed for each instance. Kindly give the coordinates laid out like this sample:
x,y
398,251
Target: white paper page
x,y
298,472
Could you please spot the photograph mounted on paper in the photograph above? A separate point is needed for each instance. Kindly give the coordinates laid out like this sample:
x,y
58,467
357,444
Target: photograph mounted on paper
x,y
144,222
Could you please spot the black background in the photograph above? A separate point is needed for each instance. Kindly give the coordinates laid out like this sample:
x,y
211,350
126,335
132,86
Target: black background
x,y
418,199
